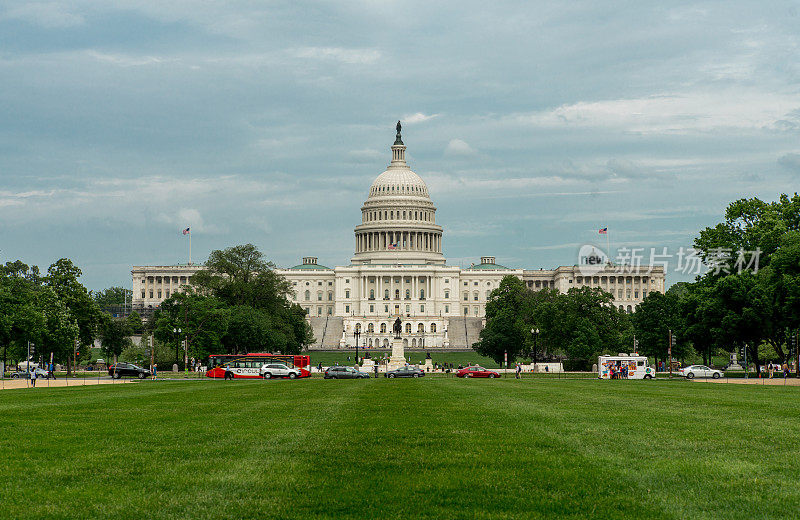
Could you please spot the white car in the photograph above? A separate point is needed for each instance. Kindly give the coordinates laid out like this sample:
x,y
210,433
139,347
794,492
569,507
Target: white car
x,y
271,370
693,371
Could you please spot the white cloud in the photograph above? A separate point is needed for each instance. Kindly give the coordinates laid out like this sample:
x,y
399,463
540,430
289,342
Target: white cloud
x,y
672,113
340,54
124,60
50,15
418,117
459,147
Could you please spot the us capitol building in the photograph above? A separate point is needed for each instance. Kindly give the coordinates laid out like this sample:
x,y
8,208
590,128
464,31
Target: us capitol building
x,y
398,270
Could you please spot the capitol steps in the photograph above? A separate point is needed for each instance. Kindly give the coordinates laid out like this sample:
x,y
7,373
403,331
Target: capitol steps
x,y
463,332
327,331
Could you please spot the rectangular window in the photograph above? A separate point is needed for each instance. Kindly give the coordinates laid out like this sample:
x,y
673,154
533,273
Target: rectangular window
x,y
475,283
151,293
385,308
346,308
347,294
466,311
644,294
347,280
167,293
159,293
446,309
421,308
372,308
408,309
636,294
466,297
330,283
143,295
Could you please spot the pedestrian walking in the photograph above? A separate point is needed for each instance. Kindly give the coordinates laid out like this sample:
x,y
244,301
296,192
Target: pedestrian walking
x,y
155,371
33,377
376,370
785,370
50,370
518,371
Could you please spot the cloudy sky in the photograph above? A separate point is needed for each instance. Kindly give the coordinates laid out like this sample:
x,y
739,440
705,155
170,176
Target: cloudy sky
x,y
533,124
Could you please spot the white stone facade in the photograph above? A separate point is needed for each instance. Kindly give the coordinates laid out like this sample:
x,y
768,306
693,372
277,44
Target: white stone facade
x,y
398,270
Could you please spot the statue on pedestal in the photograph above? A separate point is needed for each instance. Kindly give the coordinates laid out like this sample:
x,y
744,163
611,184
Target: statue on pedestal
x,y
397,328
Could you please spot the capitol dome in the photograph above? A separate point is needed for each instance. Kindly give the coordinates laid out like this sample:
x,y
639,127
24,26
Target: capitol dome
x,y
398,223
398,182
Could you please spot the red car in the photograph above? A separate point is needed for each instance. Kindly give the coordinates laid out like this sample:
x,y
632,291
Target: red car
x,y
477,372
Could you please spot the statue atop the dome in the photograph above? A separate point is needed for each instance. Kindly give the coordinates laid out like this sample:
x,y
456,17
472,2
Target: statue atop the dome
x,y
397,139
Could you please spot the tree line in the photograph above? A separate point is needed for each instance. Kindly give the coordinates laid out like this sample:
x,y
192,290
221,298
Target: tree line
x,y
236,305
749,298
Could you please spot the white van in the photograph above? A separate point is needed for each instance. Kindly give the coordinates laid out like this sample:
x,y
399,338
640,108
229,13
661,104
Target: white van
x,y
623,366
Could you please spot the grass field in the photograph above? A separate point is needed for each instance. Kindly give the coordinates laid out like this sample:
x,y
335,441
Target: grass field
x,y
431,448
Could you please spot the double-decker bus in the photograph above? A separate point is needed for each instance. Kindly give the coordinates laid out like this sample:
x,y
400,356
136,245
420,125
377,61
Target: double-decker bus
x,y
248,366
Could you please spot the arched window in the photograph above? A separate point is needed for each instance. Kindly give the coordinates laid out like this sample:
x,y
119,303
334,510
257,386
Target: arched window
x,y
433,327
408,328
385,342
408,294
370,328
386,294
466,296
629,309
447,294
397,294
413,342
358,327
422,294
347,293
475,296
372,294
330,296
319,296
308,295
421,327
383,328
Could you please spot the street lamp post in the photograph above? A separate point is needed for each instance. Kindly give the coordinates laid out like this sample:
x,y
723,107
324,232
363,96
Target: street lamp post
x,y
176,331
535,334
357,334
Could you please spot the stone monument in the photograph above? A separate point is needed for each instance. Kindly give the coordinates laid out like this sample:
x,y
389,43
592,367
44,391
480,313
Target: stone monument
x,y
734,364
398,357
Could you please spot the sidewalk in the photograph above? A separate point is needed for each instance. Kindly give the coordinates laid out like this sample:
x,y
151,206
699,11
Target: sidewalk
x,y
13,384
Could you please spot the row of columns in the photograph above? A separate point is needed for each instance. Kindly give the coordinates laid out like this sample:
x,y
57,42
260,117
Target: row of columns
x,y
405,240
381,286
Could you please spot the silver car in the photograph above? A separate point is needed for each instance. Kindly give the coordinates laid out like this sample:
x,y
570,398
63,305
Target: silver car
x,y
693,371
271,370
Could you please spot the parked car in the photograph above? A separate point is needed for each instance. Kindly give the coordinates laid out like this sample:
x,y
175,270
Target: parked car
x,y
476,371
406,371
25,374
344,373
127,369
693,371
271,370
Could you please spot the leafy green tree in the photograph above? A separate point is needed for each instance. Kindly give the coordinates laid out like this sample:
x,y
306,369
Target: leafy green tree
x,y
62,278
202,320
60,331
655,316
112,296
114,336
135,323
507,328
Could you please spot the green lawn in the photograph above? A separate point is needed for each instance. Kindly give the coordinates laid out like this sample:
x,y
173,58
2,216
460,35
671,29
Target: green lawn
x,y
431,448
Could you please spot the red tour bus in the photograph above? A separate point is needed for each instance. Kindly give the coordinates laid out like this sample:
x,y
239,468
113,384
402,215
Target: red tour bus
x,y
248,366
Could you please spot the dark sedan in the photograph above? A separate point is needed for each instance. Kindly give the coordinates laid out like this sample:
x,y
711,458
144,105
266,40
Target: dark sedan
x,y
127,369
406,371
344,373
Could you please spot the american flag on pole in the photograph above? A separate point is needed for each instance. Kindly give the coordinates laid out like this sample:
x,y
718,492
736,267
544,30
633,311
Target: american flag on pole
x,y
604,231
186,231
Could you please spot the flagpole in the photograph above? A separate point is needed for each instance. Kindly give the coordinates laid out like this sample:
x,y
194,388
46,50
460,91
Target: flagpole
x,y
608,243
190,247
